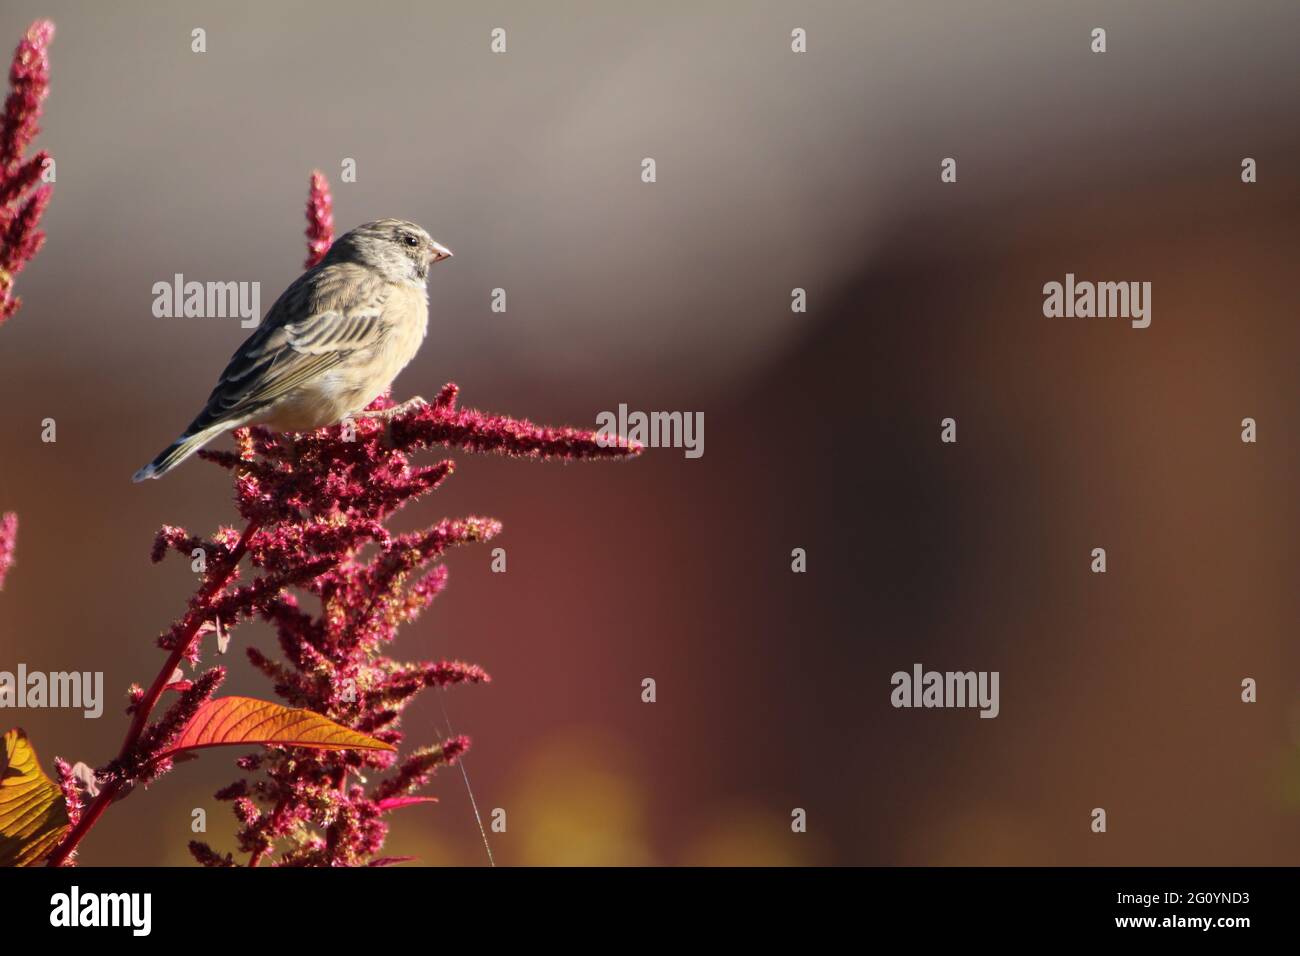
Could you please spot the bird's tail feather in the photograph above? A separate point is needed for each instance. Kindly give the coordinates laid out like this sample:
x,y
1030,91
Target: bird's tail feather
x,y
178,451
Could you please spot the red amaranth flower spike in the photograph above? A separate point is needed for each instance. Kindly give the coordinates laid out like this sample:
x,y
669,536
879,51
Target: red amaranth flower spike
x,y
317,507
68,784
22,205
320,219
29,83
444,424
8,543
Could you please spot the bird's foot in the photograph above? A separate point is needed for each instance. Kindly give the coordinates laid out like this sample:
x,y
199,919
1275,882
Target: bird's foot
x,y
410,405
388,414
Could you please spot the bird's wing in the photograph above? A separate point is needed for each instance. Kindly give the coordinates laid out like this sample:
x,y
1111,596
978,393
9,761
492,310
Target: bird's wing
x,y
319,321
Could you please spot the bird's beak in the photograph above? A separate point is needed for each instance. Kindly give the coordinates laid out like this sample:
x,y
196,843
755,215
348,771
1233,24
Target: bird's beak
x,y
440,252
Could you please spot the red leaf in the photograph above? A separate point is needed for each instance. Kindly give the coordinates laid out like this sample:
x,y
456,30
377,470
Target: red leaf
x,y
246,720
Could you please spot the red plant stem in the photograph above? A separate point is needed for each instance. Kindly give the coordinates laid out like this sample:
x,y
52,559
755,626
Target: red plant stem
x,y
181,651
151,697
88,820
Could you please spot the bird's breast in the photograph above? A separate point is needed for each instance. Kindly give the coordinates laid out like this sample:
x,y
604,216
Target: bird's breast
x,y
409,328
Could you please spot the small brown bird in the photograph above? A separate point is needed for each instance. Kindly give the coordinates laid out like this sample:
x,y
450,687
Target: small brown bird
x,y
331,344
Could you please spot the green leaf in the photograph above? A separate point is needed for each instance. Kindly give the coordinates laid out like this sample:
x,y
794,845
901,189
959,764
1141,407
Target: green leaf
x,y
33,816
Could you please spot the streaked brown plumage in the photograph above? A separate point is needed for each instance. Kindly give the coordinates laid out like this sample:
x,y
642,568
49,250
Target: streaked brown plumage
x,y
332,342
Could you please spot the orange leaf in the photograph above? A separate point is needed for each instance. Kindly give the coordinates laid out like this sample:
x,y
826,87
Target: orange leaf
x,y
33,816
246,720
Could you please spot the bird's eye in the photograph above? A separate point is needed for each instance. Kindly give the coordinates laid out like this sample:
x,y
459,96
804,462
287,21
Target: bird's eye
x,y
411,240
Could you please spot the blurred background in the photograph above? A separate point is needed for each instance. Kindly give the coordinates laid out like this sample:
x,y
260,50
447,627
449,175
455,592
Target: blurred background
x,y
775,171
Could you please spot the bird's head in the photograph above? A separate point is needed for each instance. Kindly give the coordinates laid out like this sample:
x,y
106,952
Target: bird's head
x,y
401,250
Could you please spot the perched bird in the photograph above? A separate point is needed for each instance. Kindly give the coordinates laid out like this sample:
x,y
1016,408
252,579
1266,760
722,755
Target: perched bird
x,y
331,344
